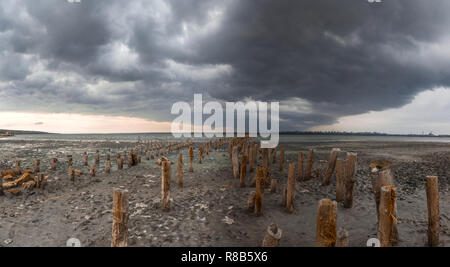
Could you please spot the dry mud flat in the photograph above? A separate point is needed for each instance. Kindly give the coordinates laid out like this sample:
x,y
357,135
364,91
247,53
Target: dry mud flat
x,y
210,209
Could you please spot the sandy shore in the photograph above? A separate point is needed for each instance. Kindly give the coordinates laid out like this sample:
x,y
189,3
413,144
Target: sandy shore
x,y
210,209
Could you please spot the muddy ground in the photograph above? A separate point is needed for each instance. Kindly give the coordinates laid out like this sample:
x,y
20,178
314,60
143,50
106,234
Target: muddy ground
x,y
210,209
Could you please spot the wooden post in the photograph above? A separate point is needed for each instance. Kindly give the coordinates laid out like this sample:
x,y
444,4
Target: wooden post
x,y
191,159
120,218
281,157
165,186
274,155
71,173
180,170
92,170
250,158
235,162
381,175
200,156
108,166
251,202
97,159
309,165
340,180
259,191
433,211
273,186
342,238
85,160
290,194
53,164
331,166
36,166
1,188
387,218
273,236
17,167
230,149
130,160
326,223
243,173
300,167
350,172
120,163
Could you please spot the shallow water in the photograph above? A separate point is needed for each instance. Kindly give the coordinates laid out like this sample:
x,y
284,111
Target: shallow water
x,y
170,137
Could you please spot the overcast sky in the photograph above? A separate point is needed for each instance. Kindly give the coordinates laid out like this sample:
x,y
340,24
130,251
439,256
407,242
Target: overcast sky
x,y
333,65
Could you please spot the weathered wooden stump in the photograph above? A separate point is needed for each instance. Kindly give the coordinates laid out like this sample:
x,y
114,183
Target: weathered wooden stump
x,y
243,173
340,180
108,166
251,162
120,218
259,191
273,236
326,223
342,238
309,165
350,179
273,186
290,194
17,167
92,170
191,159
381,175
120,163
387,219
300,167
85,160
180,170
433,211
331,166
71,173
235,162
281,157
37,164
165,186
53,162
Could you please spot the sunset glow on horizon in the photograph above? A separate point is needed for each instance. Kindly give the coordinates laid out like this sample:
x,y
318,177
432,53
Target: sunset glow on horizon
x,y
74,123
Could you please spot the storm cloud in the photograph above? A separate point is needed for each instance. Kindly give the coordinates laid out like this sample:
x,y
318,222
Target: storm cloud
x,y
321,59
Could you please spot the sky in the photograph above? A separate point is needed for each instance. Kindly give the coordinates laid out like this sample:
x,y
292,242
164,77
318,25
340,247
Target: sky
x,y
118,66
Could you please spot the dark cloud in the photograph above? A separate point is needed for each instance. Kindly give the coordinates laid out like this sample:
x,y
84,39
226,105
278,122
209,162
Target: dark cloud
x,y
138,57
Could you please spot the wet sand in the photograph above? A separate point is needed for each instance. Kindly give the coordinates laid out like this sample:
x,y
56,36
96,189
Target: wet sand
x,y
210,209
